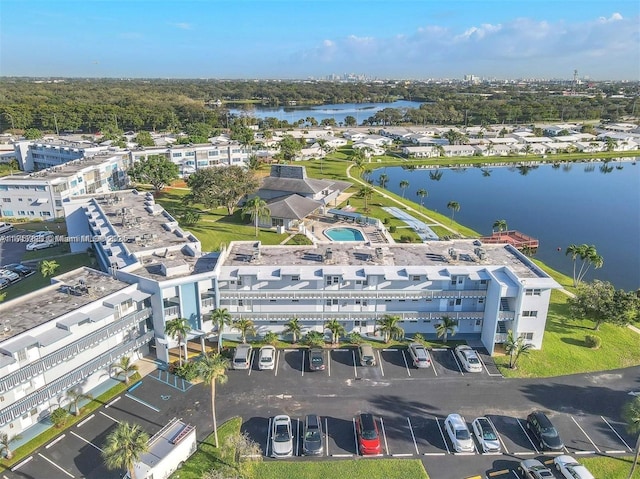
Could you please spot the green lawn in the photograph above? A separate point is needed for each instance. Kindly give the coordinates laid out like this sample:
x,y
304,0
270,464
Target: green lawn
x,y
564,352
610,467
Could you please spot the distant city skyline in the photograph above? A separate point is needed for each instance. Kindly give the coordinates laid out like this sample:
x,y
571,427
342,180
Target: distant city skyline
x,y
283,39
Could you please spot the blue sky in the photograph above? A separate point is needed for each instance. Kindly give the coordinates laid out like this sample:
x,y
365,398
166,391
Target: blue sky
x,y
415,39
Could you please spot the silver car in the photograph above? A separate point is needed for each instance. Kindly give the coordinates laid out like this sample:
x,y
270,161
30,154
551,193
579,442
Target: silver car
x,y
534,469
571,469
267,357
456,428
242,357
419,355
486,434
469,359
281,437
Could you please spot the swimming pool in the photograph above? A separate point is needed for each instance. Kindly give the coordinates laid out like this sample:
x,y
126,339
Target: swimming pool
x,y
344,234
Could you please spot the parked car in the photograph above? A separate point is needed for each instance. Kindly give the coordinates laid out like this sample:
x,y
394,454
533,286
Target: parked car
x,y
419,355
366,354
571,469
41,245
469,359
368,436
5,227
282,437
242,356
267,357
312,438
544,432
316,359
456,428
4,283
10,275
20,269
486,434
534,469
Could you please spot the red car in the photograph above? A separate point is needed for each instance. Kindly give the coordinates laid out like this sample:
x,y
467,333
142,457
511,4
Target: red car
x,y
368,436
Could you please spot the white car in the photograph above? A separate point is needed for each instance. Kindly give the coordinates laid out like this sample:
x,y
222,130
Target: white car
x,y
456,428
469,359
9,275
486,434
419,355
267,357
571,469
40,245
281,437
242,356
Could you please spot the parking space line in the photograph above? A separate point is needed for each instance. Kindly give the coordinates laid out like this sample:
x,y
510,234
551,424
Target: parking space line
x,y
384,435
616,433
619,451
413,436
504,446
20,464
302,364
456,360
528,437
88,442
114,401
266,449
58,439
328,363
326,434
585,433
112,418
442,435
434,454
483,365
433,366
251,358
298,424
277,362
55,465
355,369
355,436
380,362
143,402
406,364
85,420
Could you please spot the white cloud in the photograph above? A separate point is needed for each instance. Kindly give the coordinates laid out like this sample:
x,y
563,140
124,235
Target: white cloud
x,y
182,25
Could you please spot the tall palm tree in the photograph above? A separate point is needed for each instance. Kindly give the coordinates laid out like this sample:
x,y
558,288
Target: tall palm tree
x,y
631,415
245,326
383,179
75,396
500,225
366,192
221,318
124,368
5,444
178,329
293,328
124,447
212,369
257,209
48,267
404,184
453,206
446,326
589,257
337,330
515,347
388,326
422,193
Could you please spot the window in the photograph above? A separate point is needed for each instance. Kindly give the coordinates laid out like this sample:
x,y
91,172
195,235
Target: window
x,y
458,301
22,355
176,154
360,323
239,282
526,336
190,153
6,200
478,322
532,292
529,314
241,302
480,300
272,300
483,281
363,282
295,300
415,278
451,302
295,277
454,280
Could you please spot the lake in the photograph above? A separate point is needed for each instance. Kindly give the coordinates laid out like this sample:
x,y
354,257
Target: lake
x,y
576,203
360,111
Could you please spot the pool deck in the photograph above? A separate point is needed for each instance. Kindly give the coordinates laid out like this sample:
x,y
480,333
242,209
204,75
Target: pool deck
x,y
318,224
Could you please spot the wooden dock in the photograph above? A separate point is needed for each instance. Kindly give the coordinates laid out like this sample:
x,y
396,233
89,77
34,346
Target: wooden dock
x,y
514,238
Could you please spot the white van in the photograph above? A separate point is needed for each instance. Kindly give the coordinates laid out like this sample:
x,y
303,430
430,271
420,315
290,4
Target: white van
x,y
4,227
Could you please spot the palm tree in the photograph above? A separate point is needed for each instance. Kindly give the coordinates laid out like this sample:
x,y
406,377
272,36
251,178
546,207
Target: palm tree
x,y
515,347
293,328
124,368
212,369
436,175
589,257
337,330
453,206
500,225
124,447
5,444
178,329
383,179
388,326
221,318
245,326
404,184
446,326
422,193
258,210
75,396
366,192
48,267
631,415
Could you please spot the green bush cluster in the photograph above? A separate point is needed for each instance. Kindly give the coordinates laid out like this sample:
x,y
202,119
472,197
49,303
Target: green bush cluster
x,y
594,342
188,371
392,229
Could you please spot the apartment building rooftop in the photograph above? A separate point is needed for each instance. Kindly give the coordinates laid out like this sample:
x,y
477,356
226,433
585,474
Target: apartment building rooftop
x,y
69,292
456,256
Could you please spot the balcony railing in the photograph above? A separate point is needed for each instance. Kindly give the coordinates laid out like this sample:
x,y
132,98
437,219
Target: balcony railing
x,y
45,363
348,294
321,316
208,302
172,311
67,381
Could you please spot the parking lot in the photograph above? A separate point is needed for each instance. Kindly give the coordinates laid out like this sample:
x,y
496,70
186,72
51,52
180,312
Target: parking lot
x,y
150,403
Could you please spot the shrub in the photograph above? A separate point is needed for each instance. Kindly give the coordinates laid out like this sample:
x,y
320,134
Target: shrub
x,y
392,229
418,338
386,220
354,338
594,342
188,371
405,239
59,417
270,338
